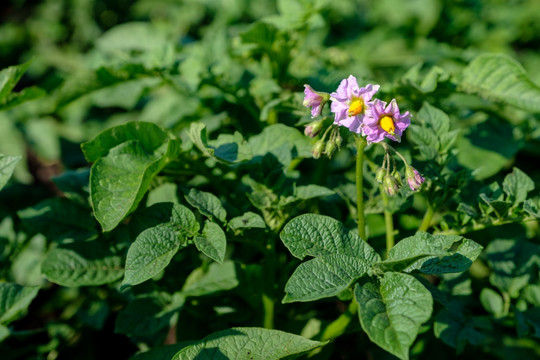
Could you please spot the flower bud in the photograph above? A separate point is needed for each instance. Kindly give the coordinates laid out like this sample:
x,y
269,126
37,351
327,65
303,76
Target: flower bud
x,y
318,149
315,100
330,148
380,174
390,185
414,179
313,129
397,175
339,140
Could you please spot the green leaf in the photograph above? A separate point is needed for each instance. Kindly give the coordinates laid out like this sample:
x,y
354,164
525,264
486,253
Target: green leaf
x,y
150,253
531,294
165,352
531,207
248,343
392,310
197,134
124,94
397,265
319,235
284,142
132,36
7,166
60,219
492,301
74,184
423,136
207,203
213,242
166,192
260,33
231,148
177,216
531,317
9,77
307,192
14,301
487,148
500,78
499,207
145,316
216,277
467,209
4,332
149,136
456,330
437,119
323,277
119,180
87,263
26,94
447,140
226,148
517,185
512,262
246,221
431,254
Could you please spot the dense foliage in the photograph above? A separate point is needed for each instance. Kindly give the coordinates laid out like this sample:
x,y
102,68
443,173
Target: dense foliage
x,y
160,200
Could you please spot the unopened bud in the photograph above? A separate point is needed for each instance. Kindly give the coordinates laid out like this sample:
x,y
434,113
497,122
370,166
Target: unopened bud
x,y
330,148
315,100
390,185
339,141
313,128
380,174
414,179
397,175
317,149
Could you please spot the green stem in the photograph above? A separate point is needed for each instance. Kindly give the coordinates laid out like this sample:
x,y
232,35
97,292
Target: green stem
x,y
360,145
506,299
388,221
269,278
428,216
268,308
338,326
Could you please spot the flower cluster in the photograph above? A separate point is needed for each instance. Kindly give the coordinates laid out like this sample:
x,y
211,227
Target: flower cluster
x,y
355,108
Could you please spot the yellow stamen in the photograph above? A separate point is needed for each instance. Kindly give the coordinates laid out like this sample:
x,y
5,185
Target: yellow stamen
x,y
387,124
357,105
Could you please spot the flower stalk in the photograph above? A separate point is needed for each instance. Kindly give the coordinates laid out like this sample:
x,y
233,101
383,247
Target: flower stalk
x,y
360,145
338,326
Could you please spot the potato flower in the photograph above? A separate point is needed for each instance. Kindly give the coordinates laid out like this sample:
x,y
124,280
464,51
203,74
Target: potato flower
x,y
385,120
350,103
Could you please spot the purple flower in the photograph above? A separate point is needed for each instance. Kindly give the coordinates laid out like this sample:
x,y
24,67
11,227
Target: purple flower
x,y
351,102
315,100
414,179
385,121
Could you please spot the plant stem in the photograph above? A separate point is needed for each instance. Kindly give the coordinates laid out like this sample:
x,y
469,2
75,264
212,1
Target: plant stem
x,y
426,221
506,299
387,147
388,221
269,278
268,308
338,326
360,145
